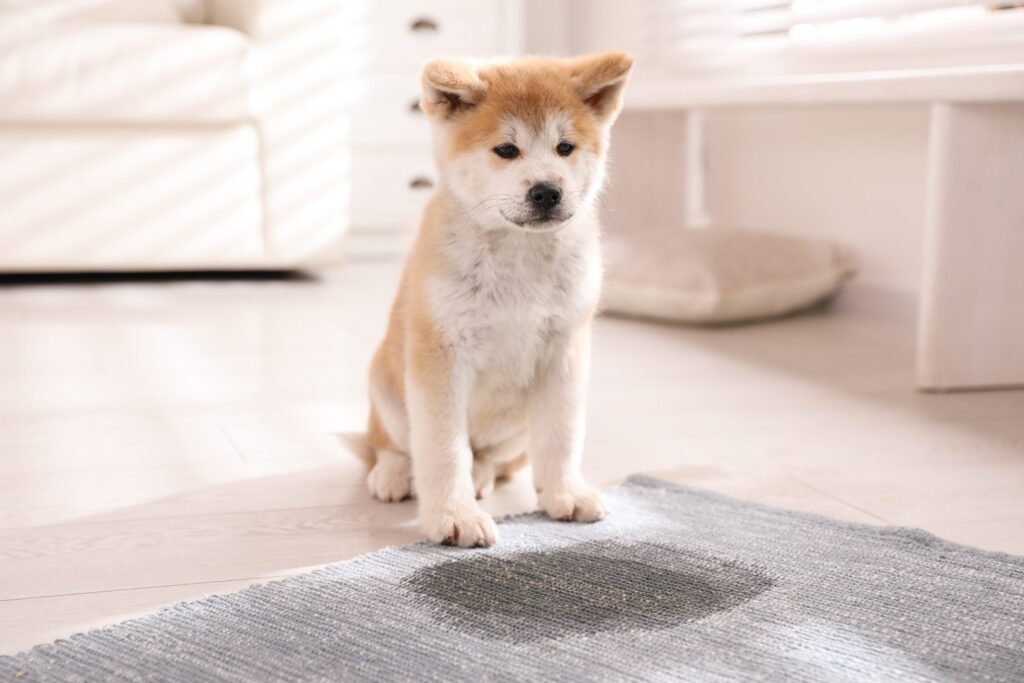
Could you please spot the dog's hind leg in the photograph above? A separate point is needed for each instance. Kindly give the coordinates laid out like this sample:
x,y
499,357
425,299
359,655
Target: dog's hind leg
x,y
389,470
497,462
390,480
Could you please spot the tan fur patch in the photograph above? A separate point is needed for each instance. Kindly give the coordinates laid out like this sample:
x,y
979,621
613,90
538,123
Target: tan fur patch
x,y
532,90
505,470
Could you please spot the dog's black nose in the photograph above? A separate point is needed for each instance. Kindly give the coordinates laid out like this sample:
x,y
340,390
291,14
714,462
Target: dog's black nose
x,y
545,195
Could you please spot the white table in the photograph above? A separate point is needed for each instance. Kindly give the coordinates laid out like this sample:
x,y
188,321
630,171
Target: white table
x,y
971,319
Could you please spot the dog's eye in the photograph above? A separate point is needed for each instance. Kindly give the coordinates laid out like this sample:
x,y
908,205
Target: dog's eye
x,y
564,149
507,151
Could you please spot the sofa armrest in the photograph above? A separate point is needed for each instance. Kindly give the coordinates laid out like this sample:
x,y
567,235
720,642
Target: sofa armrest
x,y
268,19
302,49
241,15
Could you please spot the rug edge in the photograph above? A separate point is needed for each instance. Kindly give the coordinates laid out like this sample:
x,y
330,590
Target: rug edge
x,y
651,481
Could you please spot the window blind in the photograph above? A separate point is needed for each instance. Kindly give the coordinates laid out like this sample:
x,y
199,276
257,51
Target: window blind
x,y
823,35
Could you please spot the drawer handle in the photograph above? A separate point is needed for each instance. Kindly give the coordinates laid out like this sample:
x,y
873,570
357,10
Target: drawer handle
x,y
415,107
424,25
421,182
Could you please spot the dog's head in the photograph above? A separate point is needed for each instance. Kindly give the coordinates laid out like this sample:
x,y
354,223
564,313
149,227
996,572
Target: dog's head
x,y
521,144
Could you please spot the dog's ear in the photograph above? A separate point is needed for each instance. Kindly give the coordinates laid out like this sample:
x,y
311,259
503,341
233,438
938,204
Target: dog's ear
x,y
449,87
599,80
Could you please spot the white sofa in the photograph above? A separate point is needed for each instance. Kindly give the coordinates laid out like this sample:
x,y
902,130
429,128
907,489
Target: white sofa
x,y
172,134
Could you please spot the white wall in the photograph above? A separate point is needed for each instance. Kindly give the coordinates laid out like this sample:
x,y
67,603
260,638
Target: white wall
x,y
853,174
546,27
595,25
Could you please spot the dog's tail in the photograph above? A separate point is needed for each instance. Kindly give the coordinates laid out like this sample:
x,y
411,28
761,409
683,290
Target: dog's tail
x,y
359,446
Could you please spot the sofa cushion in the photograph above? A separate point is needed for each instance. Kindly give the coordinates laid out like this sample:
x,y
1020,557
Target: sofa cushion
x,y
131,73
28,12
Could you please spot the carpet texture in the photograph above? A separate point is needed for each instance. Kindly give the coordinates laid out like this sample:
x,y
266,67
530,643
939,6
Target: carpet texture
x,y
676,584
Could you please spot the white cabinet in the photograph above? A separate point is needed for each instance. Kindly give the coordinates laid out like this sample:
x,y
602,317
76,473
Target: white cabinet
x,y
390,187
392,168
388,113
409,32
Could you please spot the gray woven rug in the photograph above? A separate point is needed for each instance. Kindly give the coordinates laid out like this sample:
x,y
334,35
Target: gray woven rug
x,y
676,584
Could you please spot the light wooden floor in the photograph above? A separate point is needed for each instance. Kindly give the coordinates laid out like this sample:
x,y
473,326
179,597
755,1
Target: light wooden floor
x,y
165,441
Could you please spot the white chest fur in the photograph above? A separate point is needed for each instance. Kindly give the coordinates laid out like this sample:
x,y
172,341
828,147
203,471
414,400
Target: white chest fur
x,y
510,299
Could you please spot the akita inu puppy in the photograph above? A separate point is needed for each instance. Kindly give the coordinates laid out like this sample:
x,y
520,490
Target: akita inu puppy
x,y
486,355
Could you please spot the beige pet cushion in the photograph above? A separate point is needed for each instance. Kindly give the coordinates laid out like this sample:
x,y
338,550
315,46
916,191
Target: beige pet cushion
x,y
720,276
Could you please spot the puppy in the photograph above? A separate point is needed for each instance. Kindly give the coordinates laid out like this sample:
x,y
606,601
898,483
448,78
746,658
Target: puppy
x,y
486,354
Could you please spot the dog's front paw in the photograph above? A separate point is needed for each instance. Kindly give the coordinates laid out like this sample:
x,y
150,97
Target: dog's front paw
x,y
576,503
461,524
390,480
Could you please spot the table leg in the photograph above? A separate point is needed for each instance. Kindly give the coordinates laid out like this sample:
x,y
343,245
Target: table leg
x,y
971,326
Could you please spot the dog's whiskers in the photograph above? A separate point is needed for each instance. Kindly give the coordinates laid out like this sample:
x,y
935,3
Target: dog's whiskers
x,y
490,202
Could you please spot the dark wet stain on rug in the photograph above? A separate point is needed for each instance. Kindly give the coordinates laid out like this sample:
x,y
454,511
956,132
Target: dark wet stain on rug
x,y
584,589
